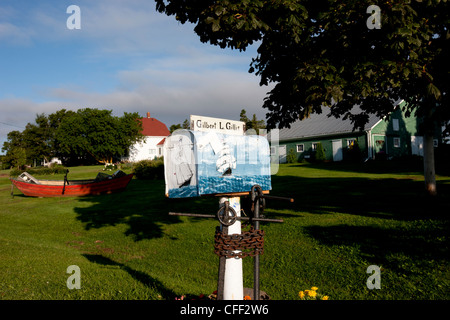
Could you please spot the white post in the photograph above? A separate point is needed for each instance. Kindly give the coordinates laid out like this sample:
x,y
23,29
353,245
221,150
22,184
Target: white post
x,y
233,287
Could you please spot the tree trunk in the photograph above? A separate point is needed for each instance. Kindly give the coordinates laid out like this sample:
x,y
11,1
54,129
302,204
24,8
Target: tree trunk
x,y
428,153
428,164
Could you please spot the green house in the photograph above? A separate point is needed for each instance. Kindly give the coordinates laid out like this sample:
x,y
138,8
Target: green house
x,y
387,138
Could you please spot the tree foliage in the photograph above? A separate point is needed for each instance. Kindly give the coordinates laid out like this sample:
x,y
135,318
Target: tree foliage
x,y
16,155
99,134
322,53
184,125
252,123
86,135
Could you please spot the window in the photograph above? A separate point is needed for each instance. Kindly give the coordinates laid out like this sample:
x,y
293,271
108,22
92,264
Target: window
x,y
152,151
159,151
350,142
300,147
314,146
395,124
396,142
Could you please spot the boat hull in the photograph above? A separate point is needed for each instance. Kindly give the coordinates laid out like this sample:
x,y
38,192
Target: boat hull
x,y
73,189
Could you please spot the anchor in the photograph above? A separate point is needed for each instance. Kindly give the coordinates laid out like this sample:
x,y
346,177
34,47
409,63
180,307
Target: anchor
x,y
227,216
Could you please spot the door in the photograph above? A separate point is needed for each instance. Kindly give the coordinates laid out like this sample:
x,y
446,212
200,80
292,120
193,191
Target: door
x,y
417,145
282,154
337,150
379,144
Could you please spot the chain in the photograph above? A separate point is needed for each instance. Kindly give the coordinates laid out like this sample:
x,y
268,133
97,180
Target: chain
x,y
247,244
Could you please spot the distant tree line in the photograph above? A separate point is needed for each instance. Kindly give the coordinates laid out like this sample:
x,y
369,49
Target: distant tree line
x,y
87,136
252,123
184,125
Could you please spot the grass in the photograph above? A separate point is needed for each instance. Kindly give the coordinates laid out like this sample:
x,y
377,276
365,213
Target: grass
x,y
345,218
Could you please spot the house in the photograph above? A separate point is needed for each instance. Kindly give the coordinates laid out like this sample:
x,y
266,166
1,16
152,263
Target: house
x,y
389,137
54,160
152,147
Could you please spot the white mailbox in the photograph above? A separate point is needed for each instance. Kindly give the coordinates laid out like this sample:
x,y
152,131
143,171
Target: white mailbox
x,y
198,163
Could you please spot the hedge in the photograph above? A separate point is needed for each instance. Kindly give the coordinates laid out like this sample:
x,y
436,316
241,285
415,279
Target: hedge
x,y
40,171
149,169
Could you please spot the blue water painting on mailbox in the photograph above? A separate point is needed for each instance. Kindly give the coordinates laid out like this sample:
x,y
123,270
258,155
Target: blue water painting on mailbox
x,y
199,163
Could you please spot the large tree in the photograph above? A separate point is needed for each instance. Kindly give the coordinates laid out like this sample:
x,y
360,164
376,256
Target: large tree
x,y
88,135
337,54
98,134
15,148
38,140
53,122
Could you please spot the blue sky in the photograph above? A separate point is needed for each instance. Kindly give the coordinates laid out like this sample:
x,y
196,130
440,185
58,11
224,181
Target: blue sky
x,y
126,57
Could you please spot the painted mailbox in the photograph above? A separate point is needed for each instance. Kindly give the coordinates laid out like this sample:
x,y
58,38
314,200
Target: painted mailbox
x,y
200,162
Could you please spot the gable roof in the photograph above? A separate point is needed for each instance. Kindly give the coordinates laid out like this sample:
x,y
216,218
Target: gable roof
x,y
152,127
161,143
322,125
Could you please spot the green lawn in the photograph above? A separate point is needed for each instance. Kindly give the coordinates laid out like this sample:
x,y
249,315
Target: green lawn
x,y
345,218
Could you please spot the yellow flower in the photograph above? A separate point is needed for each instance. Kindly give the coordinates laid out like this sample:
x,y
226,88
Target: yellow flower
x,y
312,293
314,288
325,298
301,294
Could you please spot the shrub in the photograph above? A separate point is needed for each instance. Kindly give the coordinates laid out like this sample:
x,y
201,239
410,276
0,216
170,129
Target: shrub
x,y
291,157
149,169
320,153
54,169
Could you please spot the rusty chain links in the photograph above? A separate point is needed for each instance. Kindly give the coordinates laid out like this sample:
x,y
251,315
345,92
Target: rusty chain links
x,y
247,244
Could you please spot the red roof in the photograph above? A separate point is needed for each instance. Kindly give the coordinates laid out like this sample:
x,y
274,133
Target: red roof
x,y
154,128
161,142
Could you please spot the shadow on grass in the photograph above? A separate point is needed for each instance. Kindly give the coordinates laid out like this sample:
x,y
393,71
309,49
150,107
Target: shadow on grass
x,y
142,207
397,249
400,199
140,276
398,166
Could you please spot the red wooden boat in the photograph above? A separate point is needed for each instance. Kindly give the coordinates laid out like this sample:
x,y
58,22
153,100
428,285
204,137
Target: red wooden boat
x,y
103,183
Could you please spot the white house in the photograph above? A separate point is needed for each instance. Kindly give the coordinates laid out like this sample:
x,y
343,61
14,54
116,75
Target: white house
x,y
155,132
55,160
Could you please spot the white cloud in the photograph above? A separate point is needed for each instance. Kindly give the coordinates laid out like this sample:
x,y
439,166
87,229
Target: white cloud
x,y
167,94
113,26
168,72
15,34
172,94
